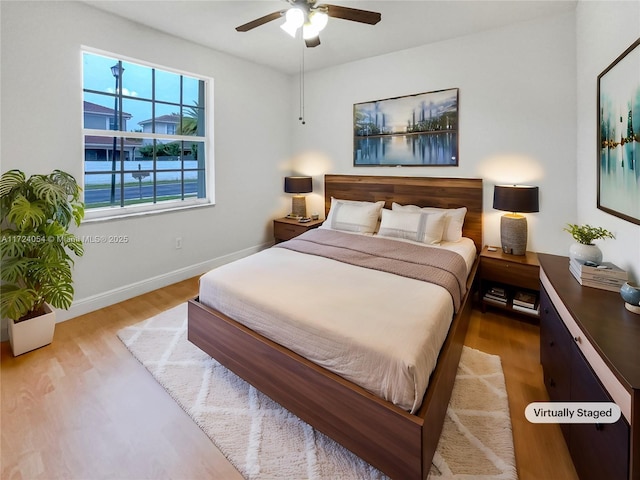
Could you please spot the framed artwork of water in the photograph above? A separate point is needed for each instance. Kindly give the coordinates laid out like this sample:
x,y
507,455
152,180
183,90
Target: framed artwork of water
x,y
619,136
414,130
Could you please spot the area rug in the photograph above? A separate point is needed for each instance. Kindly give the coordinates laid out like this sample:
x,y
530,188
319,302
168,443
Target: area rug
x,y
264,441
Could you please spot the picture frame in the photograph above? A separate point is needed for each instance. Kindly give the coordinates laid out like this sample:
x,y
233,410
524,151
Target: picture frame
x,y
418,130
618,148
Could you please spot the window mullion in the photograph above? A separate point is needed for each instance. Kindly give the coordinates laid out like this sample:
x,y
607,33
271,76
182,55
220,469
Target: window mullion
x,y
154,171
182,188
122,171
181,141
119,128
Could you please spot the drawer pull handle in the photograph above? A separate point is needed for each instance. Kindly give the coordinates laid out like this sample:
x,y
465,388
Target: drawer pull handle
x,y
552,343
546,310
599,427
552,383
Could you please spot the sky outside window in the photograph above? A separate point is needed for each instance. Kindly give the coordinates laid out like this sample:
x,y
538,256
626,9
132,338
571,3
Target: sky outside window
x,y
136,85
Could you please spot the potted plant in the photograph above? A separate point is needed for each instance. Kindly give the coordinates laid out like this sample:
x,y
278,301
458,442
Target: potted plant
x,y
35,249
585,250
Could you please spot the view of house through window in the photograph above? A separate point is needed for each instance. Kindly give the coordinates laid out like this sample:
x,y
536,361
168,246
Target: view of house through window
x,y
144,135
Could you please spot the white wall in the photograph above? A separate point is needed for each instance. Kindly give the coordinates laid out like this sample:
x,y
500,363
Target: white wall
x,y
517,116
41,130
605,29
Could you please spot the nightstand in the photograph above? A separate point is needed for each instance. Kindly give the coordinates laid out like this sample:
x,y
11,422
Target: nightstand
x,y
288,228
510,282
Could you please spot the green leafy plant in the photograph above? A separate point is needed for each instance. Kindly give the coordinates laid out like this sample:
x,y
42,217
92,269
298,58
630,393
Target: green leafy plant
x,y
35,242
586,234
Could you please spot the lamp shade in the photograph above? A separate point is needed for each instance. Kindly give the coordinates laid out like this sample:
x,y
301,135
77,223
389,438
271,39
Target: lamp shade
x,y
516,198
298,185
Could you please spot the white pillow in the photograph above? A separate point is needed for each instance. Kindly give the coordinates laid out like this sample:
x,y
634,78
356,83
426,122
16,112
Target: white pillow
x,y
418,226
353,216
453,221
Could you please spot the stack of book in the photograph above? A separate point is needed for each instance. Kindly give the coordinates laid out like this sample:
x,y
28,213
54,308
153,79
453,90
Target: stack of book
x,y
605,276
526,302
496,295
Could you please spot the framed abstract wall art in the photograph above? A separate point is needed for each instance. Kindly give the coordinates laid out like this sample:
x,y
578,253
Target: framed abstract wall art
x,y
414,130
619,136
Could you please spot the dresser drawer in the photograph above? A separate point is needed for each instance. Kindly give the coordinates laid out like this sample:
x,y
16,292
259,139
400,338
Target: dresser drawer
x,y
555,351
525,276
599,450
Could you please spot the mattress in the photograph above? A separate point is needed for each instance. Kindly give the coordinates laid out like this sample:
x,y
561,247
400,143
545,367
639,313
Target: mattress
x,y
376,329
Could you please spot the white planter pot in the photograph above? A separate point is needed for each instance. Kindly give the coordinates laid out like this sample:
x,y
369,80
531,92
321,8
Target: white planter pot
x,y
33,333
584,253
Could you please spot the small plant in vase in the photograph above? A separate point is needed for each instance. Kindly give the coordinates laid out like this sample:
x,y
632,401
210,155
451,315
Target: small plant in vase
x,y
35,247
585,250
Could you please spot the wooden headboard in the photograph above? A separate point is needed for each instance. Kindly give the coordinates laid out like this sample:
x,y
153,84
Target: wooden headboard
x,y
421,191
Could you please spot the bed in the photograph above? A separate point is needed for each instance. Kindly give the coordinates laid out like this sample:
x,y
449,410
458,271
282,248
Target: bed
x,y
399,439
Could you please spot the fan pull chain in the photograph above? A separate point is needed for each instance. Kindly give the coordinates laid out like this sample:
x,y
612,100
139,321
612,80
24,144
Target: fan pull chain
x,y
301,117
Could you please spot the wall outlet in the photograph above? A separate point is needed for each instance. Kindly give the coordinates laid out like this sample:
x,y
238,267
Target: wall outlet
x,y
178,243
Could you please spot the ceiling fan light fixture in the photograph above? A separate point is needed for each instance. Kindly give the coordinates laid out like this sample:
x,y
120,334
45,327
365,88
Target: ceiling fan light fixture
x,y
295,16
318,20
294,19
290,28
309,31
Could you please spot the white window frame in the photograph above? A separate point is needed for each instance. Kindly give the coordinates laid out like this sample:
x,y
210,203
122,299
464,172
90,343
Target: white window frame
x,y
114,212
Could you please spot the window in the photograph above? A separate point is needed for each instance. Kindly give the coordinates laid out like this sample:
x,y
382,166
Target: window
x,y
145,140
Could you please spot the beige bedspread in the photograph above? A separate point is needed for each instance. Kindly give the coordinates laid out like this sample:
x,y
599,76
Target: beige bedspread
x,y
428,264
379,330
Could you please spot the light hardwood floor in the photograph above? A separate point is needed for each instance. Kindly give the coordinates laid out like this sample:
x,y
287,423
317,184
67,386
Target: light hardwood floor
x,y
84,408
541,452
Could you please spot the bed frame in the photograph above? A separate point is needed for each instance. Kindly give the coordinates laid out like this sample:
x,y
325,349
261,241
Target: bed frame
x,y
391,439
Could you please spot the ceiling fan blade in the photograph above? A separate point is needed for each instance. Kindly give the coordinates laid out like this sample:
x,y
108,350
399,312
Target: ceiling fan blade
x,y
353,14
312,42
259,21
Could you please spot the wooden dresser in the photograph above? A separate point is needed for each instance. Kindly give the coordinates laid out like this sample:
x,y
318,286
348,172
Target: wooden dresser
x,y
590,351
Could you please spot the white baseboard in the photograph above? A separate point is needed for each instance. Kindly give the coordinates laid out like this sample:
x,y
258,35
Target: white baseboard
x,y
104,299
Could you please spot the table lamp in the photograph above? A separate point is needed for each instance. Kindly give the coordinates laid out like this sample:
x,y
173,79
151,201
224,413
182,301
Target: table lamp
x,y
298,186
516,199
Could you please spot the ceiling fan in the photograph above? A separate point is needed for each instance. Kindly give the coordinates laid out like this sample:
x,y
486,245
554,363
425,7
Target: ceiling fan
x,y
312,18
